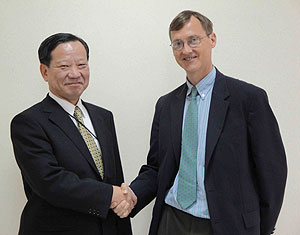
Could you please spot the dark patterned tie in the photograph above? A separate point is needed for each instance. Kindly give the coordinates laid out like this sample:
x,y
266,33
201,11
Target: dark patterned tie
x,y
94,150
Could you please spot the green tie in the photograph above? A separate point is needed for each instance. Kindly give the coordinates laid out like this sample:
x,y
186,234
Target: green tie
x,y
186,191
88,139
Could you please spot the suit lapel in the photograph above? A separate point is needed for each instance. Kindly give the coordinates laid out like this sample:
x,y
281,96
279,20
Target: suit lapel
x,y
176,109
217,114
59,117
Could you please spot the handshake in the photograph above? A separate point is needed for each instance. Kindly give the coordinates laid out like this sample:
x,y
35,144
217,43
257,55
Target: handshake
x,y
123,200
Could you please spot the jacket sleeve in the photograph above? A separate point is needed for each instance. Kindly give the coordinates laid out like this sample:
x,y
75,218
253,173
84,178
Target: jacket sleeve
x,y
48,179
270,161
145,185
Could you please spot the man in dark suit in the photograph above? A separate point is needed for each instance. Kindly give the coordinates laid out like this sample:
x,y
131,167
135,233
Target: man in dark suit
x,y
216,163
67,151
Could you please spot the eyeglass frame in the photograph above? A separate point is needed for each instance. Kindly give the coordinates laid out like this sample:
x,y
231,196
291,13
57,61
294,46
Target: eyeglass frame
x,y
188,42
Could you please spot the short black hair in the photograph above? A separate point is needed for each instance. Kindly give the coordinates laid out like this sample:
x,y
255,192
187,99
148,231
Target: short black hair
x,y
51,42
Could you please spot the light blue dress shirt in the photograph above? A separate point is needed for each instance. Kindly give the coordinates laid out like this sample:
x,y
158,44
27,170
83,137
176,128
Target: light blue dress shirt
x,y
204,88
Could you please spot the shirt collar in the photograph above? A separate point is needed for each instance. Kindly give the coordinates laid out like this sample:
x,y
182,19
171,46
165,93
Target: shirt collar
x,y
205,84
67,106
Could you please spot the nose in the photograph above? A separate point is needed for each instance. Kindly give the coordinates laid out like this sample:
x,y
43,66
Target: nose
x,y
74,72
186,48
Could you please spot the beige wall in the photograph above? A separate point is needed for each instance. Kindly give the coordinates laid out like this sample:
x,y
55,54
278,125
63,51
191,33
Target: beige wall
x,y
132,65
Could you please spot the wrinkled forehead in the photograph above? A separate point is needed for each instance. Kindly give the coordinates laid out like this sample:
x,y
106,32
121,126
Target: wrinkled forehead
x,y
68,50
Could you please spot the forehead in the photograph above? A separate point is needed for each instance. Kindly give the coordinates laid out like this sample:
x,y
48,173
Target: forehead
x,y
191,28
69,49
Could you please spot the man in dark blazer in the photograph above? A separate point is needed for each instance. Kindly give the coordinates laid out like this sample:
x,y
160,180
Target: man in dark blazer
x,y
240,159
70,164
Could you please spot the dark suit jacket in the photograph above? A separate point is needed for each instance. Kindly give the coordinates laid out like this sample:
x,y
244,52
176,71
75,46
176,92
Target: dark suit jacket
x,y
245,163
65,192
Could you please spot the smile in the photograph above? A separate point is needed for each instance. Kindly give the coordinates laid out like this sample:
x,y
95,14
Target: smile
x,y
189,58
74,83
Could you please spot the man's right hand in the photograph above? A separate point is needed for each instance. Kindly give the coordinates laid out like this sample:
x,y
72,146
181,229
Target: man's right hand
x,y
123,200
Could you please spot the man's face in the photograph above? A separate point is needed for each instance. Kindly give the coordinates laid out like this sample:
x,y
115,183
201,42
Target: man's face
x,y
68,72
195,61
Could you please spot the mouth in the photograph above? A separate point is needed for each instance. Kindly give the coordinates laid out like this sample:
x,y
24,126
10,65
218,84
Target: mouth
x,y
73,83
189,58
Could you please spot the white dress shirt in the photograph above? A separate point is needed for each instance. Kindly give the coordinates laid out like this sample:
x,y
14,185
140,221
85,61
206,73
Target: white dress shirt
x,y
69,108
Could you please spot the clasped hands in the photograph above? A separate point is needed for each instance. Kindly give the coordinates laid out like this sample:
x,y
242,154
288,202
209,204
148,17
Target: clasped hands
x,y
123,200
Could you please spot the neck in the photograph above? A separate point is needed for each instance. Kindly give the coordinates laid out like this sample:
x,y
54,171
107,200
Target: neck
x,y
72,101
197,76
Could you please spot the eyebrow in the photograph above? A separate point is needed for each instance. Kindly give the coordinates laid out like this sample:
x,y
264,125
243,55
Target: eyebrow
x,y
187,37
66,60
60,61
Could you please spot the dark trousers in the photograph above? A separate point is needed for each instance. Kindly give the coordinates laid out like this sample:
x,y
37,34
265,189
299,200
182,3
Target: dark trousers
x,y
176,222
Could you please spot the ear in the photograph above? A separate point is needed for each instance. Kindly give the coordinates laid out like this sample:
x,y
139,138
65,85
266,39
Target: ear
x,y
213,39
172,36
174,52
44,71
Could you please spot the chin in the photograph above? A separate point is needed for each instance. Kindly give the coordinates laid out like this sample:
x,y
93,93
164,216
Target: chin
x,y
191,70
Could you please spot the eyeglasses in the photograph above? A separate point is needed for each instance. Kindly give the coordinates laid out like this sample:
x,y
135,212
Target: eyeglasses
x,y
193,42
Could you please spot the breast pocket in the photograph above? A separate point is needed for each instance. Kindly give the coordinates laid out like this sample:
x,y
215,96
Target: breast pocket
x,y
232,135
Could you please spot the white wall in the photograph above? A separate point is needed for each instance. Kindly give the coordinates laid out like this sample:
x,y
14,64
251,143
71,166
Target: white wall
x,y
132,65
